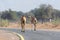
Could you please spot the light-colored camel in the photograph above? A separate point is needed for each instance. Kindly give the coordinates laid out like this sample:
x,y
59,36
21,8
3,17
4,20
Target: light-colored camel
x,y
34,22
23,22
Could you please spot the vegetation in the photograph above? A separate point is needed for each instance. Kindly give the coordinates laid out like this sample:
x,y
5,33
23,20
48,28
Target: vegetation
x,y
4,23
43,14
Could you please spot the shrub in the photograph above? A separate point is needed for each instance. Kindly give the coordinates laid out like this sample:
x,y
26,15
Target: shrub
x,y
4,23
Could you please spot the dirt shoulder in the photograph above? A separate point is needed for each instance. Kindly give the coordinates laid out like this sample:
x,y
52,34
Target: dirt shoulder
x,y
39,26
5,35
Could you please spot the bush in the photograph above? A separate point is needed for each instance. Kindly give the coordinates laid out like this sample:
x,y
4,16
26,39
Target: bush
x,y
4,23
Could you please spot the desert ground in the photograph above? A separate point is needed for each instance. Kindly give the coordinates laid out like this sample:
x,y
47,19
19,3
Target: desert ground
x,y
46,25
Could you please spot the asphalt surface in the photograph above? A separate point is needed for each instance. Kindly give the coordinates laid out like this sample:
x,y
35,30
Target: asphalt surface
x,y
36,35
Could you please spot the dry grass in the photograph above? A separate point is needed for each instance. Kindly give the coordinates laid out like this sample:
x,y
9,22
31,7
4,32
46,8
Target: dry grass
x,y
39,26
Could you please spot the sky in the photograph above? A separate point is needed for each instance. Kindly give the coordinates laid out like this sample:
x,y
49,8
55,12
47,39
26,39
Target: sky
x,y
26,5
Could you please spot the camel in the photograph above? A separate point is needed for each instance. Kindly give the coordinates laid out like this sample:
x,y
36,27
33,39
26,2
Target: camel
x,y
23,22
34,22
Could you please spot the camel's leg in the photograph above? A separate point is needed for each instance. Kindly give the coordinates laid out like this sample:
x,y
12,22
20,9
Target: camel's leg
x,y
34,27
23,27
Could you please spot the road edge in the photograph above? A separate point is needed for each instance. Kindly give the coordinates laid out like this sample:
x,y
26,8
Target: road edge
x,y
20,36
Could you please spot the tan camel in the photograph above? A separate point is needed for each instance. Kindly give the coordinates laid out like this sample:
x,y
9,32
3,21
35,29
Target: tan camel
x,y
34,22
23,22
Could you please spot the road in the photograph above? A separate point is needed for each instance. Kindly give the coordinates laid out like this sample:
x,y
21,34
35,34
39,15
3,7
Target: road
x,y
36,35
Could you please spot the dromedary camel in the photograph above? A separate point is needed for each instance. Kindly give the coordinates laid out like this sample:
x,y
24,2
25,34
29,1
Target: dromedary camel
x,y
34,22
23,22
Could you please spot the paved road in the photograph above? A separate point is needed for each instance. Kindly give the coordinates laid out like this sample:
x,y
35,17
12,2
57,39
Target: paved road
x,y
36,35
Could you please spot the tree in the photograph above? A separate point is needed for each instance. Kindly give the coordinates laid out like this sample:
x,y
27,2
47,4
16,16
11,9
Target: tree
x,y
43,11
6,15
9,14
49,11
19,14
